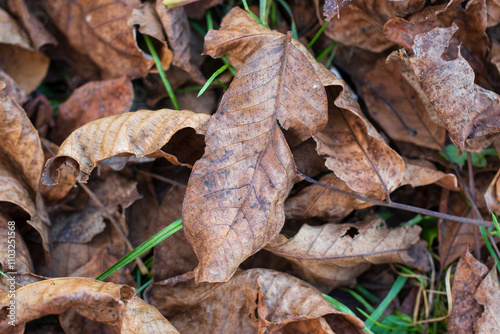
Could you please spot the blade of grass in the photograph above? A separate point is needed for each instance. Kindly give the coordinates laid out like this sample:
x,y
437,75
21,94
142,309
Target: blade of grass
x,y
264,11
163,77
395,289
342,308
292,21
221,84
245,4
141,249
210,21
366,294
489,246
332,55
212,78
495,221
359,298
315,38
386,326
325,52
143,287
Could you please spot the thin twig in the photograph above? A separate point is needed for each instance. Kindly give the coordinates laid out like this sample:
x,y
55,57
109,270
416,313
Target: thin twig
x,y
161,178
400,206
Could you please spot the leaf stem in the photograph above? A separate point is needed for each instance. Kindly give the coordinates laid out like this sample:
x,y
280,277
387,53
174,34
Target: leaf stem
x,y
163,76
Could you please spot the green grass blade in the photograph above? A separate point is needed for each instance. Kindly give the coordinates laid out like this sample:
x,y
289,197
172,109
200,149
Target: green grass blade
x,y
386,326
210,21
359,298
366,294
489,247
325,52
495,221
143,287
263,9
245,4
141,249
342,308
292,21
395,289
332,55
163,76
315,38
212,78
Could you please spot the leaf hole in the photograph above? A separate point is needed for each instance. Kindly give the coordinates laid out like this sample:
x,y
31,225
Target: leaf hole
x,y
186,145
352,232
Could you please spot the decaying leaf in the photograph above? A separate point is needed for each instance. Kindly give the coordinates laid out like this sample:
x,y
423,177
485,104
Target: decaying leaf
x,y
94,100
470,113
235,195
98,30
488,295
335,254
113,304
262,301
492,195
17,57
465,310
140,133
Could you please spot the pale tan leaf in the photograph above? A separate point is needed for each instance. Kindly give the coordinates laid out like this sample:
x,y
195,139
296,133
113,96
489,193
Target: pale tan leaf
x,y
492,195
235,195
331,255
261,301
488,295
140,133
420,172
113,304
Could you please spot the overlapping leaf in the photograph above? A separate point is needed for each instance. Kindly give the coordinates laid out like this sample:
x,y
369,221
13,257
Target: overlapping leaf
x,y
262,301
329,255
470,113
113,304
235,195
488,295
140,133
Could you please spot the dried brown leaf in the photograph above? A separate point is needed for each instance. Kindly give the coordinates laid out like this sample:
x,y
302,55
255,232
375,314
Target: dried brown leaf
x,y
94,100
13,89
492,195
332,255
113,304
176,25
465,310
493,11
361,23
469,112
140,133
38,34
235,195
488,295
98,29
261,301
17,57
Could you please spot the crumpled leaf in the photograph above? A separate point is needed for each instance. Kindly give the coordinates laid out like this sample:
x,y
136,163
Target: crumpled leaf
x,y
94,100
38,34
17,57
140,133
261,301
235,195
361,23
148,23
113,304
178,31
493,11
492,195
469,112
465,310
335,254
488,295
21,162
98,29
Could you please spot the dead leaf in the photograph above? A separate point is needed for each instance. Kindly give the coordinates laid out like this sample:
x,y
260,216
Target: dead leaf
x,y
21,162
98,30
488,295
17,57
468,111
38,34
178,31
389,82
420,172
492,195
465,310
174,256
113,304
140,133
148,23
332,255
229,214
493,11
94,100
361,23
261,301
13,89
317,201
197,9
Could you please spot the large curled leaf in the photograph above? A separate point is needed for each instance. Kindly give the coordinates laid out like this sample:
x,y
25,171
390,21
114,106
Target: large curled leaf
x,y
261,301
140,133
331,255
113,304
235,195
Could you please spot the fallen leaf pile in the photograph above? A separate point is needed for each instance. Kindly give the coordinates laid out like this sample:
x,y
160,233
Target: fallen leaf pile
x,y
295,173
